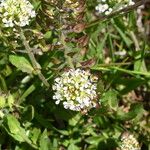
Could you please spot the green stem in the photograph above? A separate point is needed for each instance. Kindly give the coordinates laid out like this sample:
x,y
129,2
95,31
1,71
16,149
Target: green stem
x,y
27,93
35,64
131,72
114,64
136,43
116,13
68,59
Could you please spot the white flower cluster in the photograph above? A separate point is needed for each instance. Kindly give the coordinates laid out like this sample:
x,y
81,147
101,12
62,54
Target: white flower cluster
x,y
76,90
103,8
108,6
16,12
129,143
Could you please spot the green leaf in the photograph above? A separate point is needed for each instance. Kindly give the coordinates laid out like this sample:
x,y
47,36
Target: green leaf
x,y
21,63
99,48
10,100
139,64
35,135
130,84
134,111
36,4
63,132
12,126
122,34
23,146
95,139
109,144
73,147
74,120
2,101
48,35
28,113
110,99
44,141
100,87
55,144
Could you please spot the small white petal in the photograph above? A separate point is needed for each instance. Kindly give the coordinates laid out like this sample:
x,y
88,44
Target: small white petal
x,y
75,90
57,102
17,12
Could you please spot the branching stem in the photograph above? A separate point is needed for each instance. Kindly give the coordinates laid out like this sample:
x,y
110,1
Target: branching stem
x,y
35,64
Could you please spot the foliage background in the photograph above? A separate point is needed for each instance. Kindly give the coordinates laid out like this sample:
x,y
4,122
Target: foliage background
x,y
114,48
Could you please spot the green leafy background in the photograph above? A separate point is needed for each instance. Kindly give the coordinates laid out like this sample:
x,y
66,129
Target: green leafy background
x,y
29,118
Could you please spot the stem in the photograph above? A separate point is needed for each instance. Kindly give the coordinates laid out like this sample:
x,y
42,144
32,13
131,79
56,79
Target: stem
x,y
142,64
136,43
68,59
147,74
35,64
122,11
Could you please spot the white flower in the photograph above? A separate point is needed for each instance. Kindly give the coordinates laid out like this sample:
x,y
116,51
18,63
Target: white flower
x,y
107,7
16,12
131,2
129,142
101,8
76,90
57,102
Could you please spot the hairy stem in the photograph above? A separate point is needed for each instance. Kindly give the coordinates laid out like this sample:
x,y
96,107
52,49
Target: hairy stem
x,y
68,59
35,64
